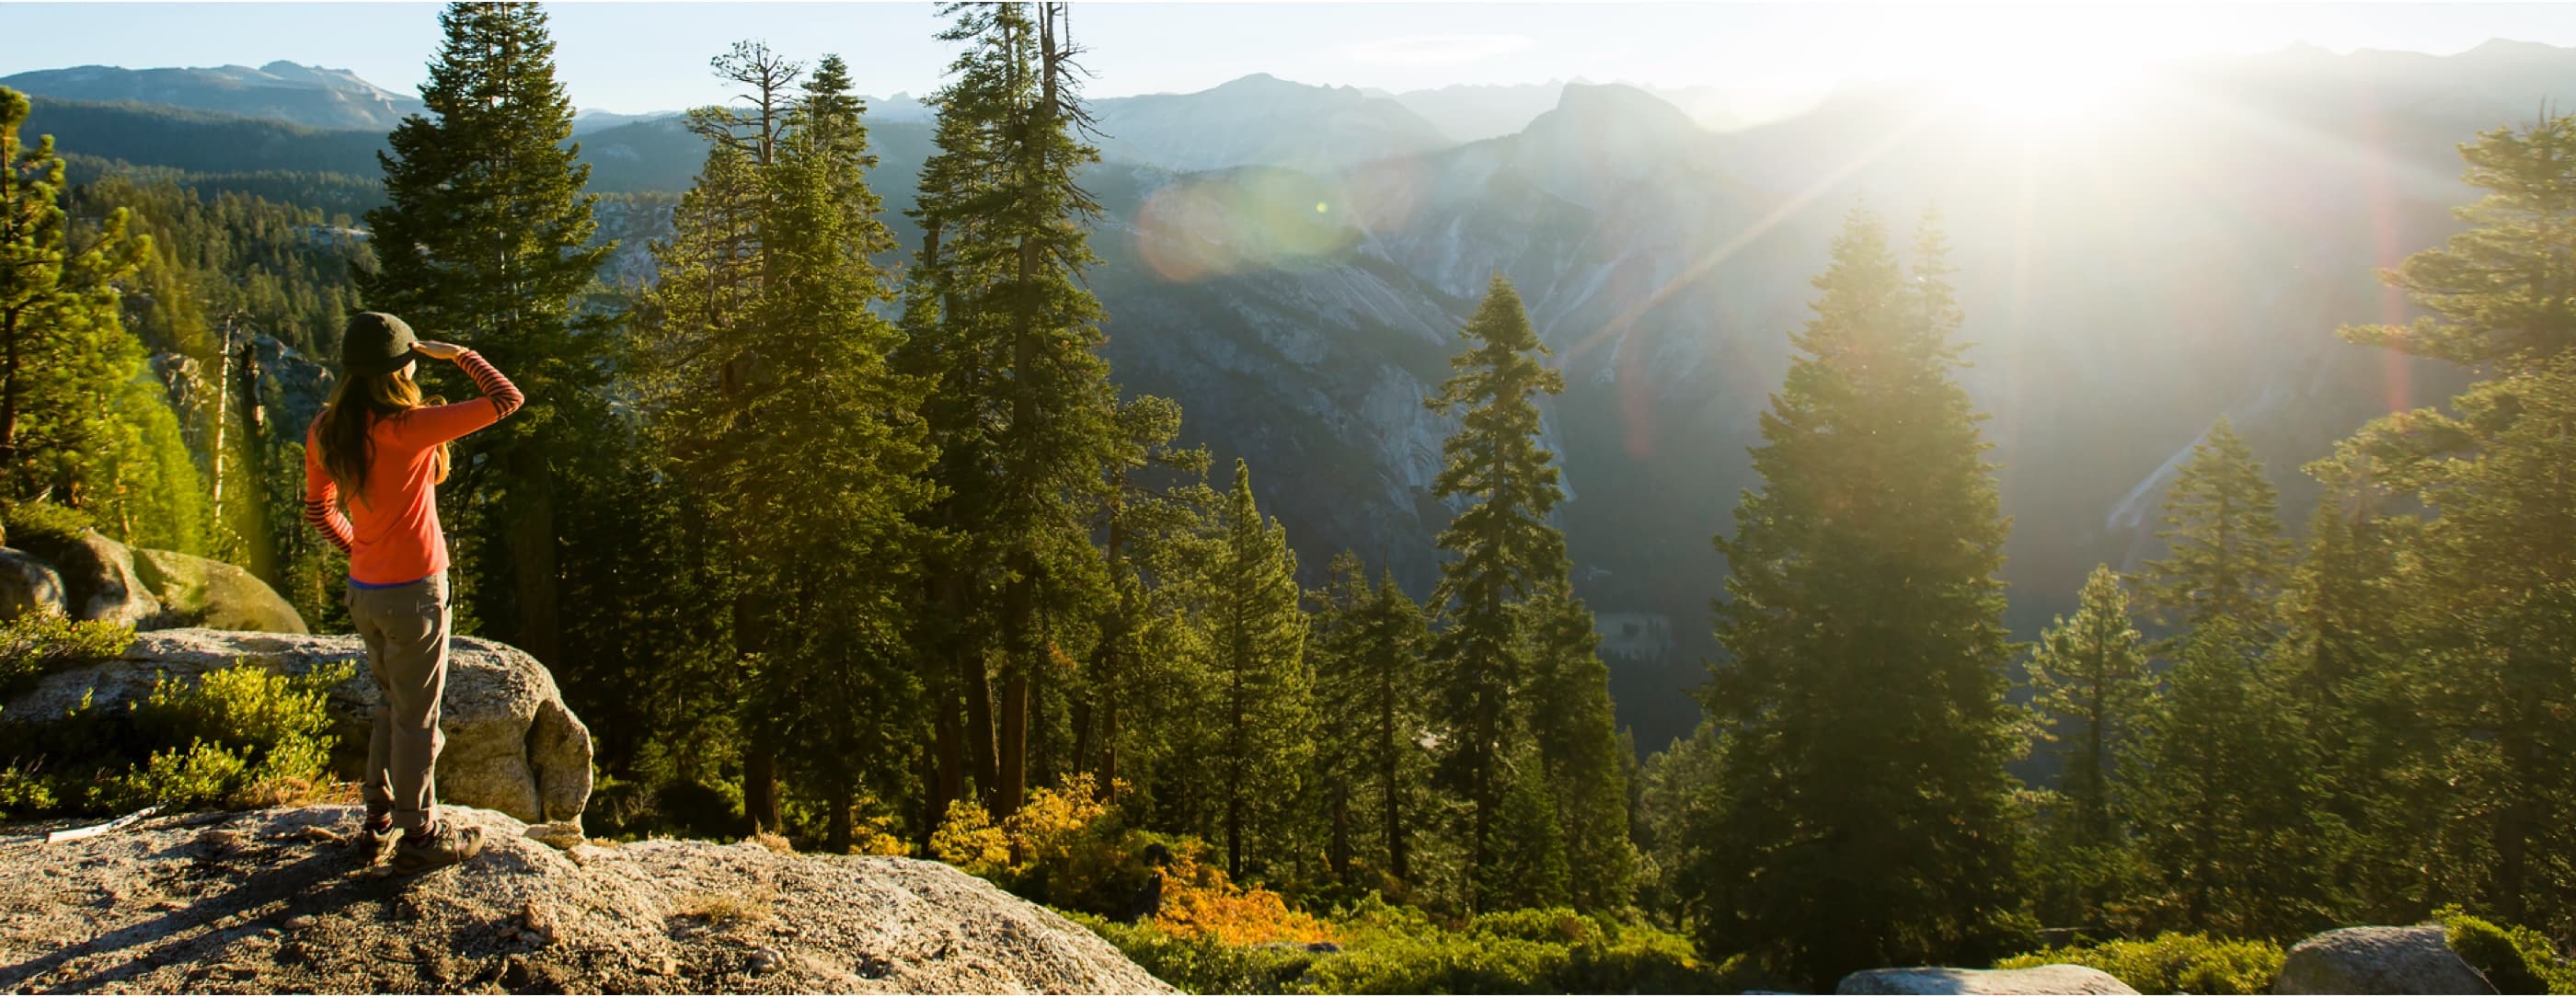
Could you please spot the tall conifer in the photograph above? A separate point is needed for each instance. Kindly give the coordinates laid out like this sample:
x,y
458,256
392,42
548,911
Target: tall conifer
x,y
1864,816
2223,528
486,240
1367,647
1023,410
2483,600
1255,639
77,424
1504,553
2090,685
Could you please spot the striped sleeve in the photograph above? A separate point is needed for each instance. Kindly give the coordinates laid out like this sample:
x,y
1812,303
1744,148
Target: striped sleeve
x,y
504,395
422,428
321,505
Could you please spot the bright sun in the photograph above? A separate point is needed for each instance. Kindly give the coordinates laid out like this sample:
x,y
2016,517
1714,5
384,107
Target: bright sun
x,y
2031,65
2037,90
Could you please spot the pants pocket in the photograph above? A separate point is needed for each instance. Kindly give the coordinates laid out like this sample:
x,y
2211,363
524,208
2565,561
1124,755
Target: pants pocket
x,y
433,596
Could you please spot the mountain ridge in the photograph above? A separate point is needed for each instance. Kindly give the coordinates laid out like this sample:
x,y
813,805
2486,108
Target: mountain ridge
x,y
311,96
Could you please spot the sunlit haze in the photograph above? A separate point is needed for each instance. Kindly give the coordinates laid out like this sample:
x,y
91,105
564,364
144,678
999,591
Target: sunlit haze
x,y
634,57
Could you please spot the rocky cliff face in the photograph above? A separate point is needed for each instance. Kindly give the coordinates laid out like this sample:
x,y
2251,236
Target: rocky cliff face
x,y
281,901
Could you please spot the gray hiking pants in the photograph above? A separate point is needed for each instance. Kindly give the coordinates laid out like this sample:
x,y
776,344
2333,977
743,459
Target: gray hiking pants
x,y
405,629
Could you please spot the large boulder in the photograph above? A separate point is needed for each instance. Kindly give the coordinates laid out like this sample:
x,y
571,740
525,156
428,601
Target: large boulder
x,y
2058,979
147,589
99,580
2378,960
512,746
29,585
275,901
202,592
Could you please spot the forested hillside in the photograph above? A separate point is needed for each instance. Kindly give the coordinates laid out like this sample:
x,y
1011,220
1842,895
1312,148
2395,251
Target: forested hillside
x,y
1610,555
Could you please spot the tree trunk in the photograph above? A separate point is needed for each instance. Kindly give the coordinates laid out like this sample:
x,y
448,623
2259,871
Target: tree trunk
x,y
1340,850
981,748
1389,745
760,785
1236,747
842,801
1082,716
1013,725
12,331
532,554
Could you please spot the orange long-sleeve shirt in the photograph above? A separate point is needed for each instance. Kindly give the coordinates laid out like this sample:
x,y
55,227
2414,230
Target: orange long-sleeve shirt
x,y
390,530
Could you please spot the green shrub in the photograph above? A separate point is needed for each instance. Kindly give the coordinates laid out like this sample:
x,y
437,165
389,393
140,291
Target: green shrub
x,y
1201,964
250,738
1389,949
2172,963
35,644
2516,960
238,737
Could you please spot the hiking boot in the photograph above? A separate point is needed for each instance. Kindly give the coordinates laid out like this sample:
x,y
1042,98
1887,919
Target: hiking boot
x,y
376,831
437,846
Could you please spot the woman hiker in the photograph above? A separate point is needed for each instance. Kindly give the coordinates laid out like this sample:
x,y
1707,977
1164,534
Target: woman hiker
x,y
379,452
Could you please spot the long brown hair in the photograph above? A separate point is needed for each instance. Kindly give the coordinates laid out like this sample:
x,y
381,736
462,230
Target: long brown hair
x,y
355,405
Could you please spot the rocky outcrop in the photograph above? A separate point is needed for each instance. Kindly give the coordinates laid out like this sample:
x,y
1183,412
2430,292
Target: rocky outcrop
x,y
512,746
28,584
99,581
2057,979
2378,960
276,901
202,592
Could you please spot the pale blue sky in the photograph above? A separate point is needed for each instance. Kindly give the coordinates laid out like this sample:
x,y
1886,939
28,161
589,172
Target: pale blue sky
x,y
632,57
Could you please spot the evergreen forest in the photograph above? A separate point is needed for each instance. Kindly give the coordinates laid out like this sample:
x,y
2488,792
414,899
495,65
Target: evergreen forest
x,y
837,528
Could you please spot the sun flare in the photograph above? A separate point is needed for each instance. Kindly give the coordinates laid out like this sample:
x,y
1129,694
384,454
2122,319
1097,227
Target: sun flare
x,y
2026,66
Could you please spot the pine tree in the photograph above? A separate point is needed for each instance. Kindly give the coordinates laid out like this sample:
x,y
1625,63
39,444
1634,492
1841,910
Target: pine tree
x,y
1864,816
1255,639
1022,408
2228,839
2498,290
486,240
1505,553
1134,514
2479,605
2362,702
2089,683
2223,528
2490,606
1367,648
835,455
1676,795
1578,746
78,423
767,378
